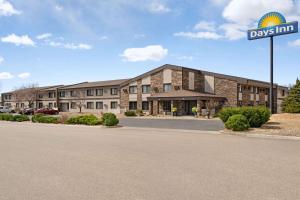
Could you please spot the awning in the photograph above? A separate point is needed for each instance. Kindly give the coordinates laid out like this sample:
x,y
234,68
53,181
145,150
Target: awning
x,y
184,95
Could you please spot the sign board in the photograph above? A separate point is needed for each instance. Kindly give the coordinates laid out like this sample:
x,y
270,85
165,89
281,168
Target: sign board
x,y
272,24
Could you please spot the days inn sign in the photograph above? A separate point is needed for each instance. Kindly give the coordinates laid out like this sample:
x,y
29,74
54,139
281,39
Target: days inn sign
x,y
270,25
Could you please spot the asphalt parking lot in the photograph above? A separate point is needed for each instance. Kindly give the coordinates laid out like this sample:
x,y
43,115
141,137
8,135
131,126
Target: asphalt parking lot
x,y
59,162
184,124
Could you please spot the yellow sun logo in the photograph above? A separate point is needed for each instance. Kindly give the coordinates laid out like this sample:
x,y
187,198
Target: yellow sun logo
x,y
271,19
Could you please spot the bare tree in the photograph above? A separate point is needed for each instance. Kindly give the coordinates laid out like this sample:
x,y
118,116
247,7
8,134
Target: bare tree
x,y
27,94
210,105
80,102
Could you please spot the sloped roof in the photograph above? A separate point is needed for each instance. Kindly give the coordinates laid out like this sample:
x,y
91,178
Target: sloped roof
x,y
183,94
95,84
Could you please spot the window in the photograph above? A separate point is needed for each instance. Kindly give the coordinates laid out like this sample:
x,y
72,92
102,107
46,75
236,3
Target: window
x,y
99,92
145,105
40,96
40,105
55,106
256,90
90,93
283,93
22,105
50,105
62,94
132,89
167,87
73,105
252,89
114,91
51,95
113,105
17,105
7,97
167,106
72,93
240,88
132,105
90,105
99,105
146,89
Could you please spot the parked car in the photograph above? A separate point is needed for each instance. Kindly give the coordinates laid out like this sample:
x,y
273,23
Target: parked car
x,y
47,111
5,109
27,111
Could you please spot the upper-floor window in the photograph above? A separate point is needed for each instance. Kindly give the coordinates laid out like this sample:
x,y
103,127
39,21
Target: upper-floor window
x,y
8,97
146,89
51,95
283,93
72,93
132,89
62,94
99,92
90,92
114,91
167,87
41,96
240,88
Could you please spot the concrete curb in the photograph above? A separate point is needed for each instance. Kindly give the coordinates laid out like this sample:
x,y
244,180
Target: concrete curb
x,y
259,135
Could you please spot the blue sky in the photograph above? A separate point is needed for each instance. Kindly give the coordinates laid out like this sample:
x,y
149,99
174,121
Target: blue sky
x,y
62,42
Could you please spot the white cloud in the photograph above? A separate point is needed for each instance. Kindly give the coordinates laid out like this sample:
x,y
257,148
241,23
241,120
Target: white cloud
x,y
152,52
104,37
205,25
156,7
1,60
24,75
199,35
295,43
71,45
5,75
44,36
245,12
7,9
18,40
58,7
234,31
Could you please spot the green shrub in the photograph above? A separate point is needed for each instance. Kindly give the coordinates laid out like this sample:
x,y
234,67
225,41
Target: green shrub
x,y
39,118
256,116
130,113
21,118
110,119
14,118
237,123
90,120
6,117
225,113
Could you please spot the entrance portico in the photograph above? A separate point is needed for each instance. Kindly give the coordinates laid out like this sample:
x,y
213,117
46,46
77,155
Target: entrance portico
x,y
183,101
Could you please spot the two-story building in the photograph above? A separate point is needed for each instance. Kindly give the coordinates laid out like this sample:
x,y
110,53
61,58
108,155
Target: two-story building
x,y
157,92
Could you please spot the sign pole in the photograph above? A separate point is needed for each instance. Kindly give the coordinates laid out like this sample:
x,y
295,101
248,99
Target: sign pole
x,y
271,74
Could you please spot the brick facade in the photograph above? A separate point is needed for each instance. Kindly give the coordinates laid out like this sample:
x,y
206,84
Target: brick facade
x,y
227,88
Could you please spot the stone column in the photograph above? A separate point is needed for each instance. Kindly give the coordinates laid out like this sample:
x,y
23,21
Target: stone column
x,y
199,105
154,107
